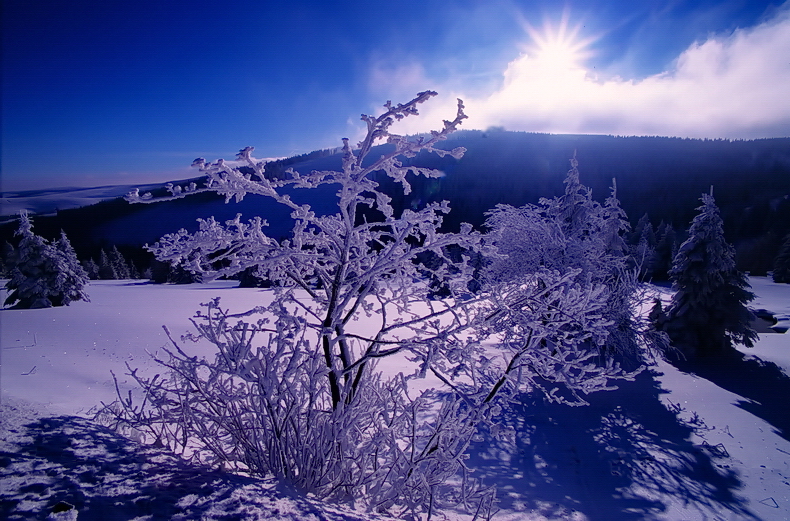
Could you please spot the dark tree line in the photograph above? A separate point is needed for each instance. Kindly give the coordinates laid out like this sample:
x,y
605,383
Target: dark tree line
x,y
661,177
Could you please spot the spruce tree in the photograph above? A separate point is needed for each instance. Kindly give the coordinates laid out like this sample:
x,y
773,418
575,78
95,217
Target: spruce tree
x,y
645,253
44,275
91,268
106,268
71,278
8,259
782,263
708,312
119,265
666,249
31,278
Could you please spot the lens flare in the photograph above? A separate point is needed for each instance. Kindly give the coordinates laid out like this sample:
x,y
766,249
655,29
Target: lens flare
x,y
559,48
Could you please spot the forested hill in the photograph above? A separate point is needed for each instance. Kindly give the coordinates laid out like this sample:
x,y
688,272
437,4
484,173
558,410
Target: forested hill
x,y
661,177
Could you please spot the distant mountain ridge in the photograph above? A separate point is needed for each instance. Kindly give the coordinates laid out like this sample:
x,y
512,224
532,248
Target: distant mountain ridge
x,y
663,177
49,200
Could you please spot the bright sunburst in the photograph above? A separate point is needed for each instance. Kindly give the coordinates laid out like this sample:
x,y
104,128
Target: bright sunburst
x,y
559,48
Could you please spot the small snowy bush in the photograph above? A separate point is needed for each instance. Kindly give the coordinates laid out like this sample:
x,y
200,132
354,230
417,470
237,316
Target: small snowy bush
x,y
296,388
43,275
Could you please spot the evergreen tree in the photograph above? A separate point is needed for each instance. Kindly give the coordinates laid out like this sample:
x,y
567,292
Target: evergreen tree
x,y
782,263
71,278
106,268
120,267
30,282
8,260
639,230
615,225
91,268
645,252
708,312
134,273
666,249
44,275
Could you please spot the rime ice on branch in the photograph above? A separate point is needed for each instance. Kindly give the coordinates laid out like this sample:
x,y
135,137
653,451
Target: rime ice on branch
x,y
294,391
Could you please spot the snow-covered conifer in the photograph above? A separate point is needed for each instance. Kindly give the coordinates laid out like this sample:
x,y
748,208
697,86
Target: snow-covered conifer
x,y
91,268
782,263
106,268
665,251
640,232
120,268
708,312
7,259
615,225
71,278
30,285
134,273
44,275
644,253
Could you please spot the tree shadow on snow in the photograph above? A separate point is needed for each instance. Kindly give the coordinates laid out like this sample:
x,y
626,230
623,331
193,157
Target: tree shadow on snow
x,y
68,461
624,457
763,385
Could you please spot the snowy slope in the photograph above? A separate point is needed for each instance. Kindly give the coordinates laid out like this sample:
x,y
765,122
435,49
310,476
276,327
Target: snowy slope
x,y
670,445
48,201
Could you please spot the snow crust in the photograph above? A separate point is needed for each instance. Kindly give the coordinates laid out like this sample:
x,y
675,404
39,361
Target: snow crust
x,y
670,445
43,202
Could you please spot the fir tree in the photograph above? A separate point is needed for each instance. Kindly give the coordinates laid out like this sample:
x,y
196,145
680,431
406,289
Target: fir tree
x,y
106,268
708,312
91,268
638,232
71,278
666,249
120,267
615,225
645,253
782,263
30,282
8,260
134,273
44,275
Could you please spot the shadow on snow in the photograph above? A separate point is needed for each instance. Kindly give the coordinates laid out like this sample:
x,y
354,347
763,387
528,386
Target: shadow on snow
x,y
622,458
763,385
106,477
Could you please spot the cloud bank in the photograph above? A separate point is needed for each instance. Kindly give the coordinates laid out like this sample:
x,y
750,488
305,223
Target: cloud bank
x,y
733,86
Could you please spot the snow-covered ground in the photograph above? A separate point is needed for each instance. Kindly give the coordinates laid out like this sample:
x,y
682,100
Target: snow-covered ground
x,y
670,445
43,202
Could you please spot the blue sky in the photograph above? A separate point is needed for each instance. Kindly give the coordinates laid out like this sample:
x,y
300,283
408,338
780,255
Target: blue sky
x,y
119,92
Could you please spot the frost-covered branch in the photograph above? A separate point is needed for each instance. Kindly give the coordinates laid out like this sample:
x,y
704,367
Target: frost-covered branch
x,y
295,390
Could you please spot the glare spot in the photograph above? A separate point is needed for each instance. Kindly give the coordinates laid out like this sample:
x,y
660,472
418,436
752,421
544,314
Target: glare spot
x,y
558,49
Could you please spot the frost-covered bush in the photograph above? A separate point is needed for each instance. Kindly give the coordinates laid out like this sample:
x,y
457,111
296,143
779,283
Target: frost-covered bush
x,y
708,312
43,275
575,233
297,387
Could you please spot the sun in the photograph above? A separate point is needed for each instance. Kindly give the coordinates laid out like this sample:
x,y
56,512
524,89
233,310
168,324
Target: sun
x,y
558,48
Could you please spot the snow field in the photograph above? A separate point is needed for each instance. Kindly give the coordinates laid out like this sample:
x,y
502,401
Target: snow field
x,y
59,359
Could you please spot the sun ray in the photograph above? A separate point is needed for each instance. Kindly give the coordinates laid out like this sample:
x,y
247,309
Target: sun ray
x,y
560,47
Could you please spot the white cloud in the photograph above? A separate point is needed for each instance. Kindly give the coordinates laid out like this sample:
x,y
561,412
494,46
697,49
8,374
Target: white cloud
x,y
731,86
